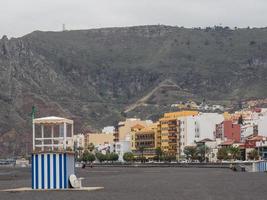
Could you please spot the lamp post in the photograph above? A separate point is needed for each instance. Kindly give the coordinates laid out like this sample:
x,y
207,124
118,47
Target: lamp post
x,y
262,147
205,152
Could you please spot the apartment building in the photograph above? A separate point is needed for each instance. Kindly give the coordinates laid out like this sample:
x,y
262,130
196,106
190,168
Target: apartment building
x,y
122,134
144,140
169,132
227,130
197,127
123,129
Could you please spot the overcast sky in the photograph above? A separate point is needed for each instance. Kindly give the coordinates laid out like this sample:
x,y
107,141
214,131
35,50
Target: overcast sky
x,y
19,17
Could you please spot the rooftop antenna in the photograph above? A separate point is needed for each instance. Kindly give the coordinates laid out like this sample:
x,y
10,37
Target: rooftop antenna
x,y
63,27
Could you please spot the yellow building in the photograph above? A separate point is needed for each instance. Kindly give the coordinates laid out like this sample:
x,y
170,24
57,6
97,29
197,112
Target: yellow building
x,y
123,130
144,140
169,132
98,139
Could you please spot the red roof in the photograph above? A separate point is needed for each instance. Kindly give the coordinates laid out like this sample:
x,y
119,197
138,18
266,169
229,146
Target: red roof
x,y
206,140
256,138
138,126
228,142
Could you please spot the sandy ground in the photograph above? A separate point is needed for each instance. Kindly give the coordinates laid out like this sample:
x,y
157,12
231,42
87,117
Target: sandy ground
x,y
148,184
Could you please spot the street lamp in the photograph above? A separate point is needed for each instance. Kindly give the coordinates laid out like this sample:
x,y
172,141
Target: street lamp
x,y
263,141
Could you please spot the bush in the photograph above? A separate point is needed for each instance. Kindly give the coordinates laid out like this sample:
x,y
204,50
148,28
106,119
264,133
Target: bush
x,y
128,156
112,157
101,157
88,157
228,153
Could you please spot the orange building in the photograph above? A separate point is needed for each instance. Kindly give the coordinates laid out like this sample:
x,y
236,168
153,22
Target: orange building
x,y
169,132
123,129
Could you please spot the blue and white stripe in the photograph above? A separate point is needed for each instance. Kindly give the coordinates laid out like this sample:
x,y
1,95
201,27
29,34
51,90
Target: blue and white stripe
x,y
51,170
262,166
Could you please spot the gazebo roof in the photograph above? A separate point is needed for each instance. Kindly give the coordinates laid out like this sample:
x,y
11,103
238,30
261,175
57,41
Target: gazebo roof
x,y
52,120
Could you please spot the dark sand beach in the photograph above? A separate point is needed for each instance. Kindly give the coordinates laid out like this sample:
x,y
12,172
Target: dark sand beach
x,y
147,183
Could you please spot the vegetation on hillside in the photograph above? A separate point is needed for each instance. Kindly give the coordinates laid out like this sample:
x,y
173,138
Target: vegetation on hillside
x,y
94,76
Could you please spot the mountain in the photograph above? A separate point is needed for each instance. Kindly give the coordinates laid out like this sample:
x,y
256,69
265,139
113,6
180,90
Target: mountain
x,y
100,76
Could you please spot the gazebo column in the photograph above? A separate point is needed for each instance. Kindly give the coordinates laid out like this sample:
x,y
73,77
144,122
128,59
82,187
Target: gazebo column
x,y
42,131
72,130
52,137
65,136
33,136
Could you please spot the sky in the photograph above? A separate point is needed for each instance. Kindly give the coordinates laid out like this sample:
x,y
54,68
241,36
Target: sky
x,y
19,17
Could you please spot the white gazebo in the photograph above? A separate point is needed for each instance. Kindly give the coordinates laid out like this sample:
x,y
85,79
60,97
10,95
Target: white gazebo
x,y
52,134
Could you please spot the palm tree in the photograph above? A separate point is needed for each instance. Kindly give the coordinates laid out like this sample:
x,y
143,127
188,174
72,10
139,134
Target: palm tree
x,y
141,149
222,154
253,155
202,151
190,152
234,152
158,153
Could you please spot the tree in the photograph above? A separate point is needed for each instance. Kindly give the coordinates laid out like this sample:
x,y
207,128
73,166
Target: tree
x,y
222,154
91,147
128,157
158,153
88,157
202,150
142,149
190,152
101,157
253,155
234,153
114,156
169,158
79,150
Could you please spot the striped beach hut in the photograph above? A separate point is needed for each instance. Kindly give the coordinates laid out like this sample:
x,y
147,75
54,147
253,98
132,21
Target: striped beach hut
x,y
53,155
52,170
261,166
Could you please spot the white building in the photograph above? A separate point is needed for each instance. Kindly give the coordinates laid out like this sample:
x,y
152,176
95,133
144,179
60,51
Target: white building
x,y
199,127
22,162
122,147
262,125
212,149
252,121
79,140
108,130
